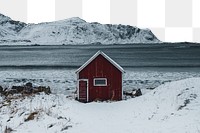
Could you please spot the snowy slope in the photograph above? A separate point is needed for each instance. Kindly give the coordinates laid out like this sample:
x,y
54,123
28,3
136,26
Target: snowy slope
x,y
9,28
74,31
171,108
77,31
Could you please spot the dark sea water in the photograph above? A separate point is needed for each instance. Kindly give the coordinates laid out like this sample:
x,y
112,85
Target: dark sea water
x,y
133,55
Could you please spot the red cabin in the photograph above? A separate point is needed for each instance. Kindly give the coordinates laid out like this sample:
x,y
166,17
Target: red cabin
x,y
100,78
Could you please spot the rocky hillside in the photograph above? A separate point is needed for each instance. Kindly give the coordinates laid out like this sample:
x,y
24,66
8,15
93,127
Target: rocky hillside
x,y
72,31
9,27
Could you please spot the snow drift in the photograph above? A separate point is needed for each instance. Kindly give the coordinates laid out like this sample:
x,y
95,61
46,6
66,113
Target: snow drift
x,y
72,31
172,107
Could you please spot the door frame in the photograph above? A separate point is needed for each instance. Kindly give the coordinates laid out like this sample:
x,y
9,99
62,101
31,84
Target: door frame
x,y
86,88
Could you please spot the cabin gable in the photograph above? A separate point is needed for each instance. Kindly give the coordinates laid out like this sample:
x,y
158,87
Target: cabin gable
x,y
108,79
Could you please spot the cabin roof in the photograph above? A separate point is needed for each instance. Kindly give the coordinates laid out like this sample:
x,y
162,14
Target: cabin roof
x,y
104,55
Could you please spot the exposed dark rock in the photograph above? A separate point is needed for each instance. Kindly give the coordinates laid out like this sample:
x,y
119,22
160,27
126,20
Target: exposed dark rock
x,y
11,92
27,89
51,125
46,90
31,116
29,84
18,88
186,102
150,88
66,127
133,93
138,93
1,89
8,130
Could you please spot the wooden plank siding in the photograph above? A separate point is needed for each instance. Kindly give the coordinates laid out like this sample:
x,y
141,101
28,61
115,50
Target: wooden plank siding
x,y
100,67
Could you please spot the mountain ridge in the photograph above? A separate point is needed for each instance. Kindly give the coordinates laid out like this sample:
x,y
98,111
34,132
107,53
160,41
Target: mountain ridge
x,y
72,31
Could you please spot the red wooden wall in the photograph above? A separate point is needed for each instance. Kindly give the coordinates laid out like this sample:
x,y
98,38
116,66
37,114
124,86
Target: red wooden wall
x,y
102,68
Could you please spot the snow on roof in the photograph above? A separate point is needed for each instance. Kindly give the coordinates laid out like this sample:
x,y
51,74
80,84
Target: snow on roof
x,y
105,56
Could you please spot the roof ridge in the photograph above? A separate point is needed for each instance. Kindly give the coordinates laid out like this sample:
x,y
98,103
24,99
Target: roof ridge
x,y
105,56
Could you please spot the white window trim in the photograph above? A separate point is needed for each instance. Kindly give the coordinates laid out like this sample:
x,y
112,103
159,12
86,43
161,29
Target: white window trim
x,y
100,79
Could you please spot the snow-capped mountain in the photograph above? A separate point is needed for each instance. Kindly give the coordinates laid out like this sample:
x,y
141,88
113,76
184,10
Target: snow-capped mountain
x,y
73,31
9,27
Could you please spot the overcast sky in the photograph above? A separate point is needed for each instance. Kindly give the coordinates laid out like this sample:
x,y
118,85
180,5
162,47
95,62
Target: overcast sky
x,y
170,20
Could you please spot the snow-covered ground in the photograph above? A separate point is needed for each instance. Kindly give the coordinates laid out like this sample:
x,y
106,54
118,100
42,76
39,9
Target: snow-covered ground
x,y
170,108
63,81
60,81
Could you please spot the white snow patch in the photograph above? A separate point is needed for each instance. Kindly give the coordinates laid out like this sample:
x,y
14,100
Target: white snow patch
x,y
162,110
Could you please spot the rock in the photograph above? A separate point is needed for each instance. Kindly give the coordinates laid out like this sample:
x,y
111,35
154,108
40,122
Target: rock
x,y
150,88
8,130
29,84
27,89
66,127
133,93
4,91
1,89
47,90
138,93
11,92
50,126
19,89
31,116
128,93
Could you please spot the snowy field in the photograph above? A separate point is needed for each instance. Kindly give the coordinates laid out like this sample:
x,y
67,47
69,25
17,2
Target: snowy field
x,y
170,108
63,81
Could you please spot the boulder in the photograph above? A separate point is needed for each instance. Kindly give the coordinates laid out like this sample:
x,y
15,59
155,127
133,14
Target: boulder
x,y
133,93
1,89
25,89
10,92
19,89
28,90
29,85
138,93
46,90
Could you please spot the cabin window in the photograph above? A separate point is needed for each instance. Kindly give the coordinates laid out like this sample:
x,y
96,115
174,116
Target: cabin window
x,y
100,82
